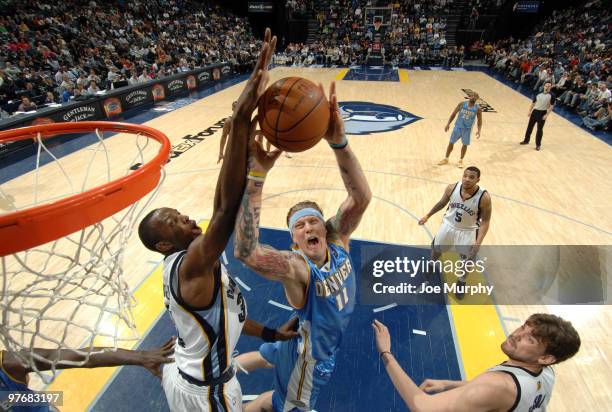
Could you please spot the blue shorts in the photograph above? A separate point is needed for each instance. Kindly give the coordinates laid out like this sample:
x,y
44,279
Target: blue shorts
x,y
460,133
297,381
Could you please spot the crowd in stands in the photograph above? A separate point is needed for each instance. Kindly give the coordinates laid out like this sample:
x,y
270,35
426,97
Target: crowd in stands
x,y
53,52
414,33
299,9
477,8
571,49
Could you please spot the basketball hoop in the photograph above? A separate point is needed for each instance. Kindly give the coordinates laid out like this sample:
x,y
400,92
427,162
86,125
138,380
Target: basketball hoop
x,y
65,233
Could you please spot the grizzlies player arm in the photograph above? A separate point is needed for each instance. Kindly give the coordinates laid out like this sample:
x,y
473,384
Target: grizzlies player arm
x,y
485,208
284,332
359,194
151,359
203,254
479,120
440,205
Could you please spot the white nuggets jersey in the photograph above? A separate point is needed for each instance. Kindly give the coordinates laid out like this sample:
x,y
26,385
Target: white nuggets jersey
x,y
464,214
208,335
533,390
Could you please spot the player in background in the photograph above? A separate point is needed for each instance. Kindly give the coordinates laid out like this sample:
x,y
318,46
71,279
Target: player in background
x,y
227,125
468,111
466,221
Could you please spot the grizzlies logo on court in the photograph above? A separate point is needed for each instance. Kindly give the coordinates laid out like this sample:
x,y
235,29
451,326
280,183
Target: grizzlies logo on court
x,y
366,118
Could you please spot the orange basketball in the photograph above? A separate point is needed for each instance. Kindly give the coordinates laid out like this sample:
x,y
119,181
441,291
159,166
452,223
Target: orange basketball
x,y
293,114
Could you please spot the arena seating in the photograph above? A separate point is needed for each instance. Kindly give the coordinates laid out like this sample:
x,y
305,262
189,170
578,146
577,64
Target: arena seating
x,y
571,49
54,51
412,33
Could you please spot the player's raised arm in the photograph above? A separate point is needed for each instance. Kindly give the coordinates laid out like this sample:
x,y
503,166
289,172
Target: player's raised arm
x,y
359,194
492,392
149,359
265,260
205,250
438,206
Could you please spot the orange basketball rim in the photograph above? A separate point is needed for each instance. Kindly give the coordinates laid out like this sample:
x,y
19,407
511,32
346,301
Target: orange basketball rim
x,y
34,226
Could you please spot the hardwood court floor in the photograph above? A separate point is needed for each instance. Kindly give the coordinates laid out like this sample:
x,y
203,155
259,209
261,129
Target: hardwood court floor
x,y
558,196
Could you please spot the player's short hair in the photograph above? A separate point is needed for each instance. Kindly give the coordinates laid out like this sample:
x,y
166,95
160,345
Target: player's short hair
x,y
558,335
302,205
474,169
332,233
146,233
548,81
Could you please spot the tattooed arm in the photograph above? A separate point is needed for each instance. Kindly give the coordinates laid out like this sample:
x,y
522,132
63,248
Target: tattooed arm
x,y
263,259
283,266
359,195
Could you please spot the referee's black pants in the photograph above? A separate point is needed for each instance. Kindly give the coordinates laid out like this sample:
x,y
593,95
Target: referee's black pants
x,y
537,116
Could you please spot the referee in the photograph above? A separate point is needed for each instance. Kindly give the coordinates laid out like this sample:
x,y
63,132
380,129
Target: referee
x,y
541,106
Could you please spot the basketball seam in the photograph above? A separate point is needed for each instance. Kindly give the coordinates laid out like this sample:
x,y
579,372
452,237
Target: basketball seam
x,y
265,106
280,109
302,119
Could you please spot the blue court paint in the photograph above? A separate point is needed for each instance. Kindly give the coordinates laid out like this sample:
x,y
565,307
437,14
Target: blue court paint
x,y
372,73
359,383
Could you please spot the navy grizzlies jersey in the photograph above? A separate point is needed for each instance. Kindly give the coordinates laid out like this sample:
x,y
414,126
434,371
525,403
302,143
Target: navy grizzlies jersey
x,y
329,304
208,335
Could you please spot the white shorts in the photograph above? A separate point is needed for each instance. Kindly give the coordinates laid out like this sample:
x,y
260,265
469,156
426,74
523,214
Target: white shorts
x,y
184,396
451,238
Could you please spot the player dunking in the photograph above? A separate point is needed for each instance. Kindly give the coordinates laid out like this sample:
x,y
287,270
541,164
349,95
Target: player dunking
x,y
318,276
467,218
205,304
467,111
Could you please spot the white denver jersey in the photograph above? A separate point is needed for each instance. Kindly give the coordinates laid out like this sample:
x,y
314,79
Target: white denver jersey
x,y
533,390
208,335
464,214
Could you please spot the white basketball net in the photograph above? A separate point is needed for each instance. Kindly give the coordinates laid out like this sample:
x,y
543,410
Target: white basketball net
x,y
71,293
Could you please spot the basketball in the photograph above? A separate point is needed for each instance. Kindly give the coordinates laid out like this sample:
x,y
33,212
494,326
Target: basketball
x,y
293,114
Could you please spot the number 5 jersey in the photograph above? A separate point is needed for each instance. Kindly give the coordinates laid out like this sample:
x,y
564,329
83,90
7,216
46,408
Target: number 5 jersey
x,y
463,214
